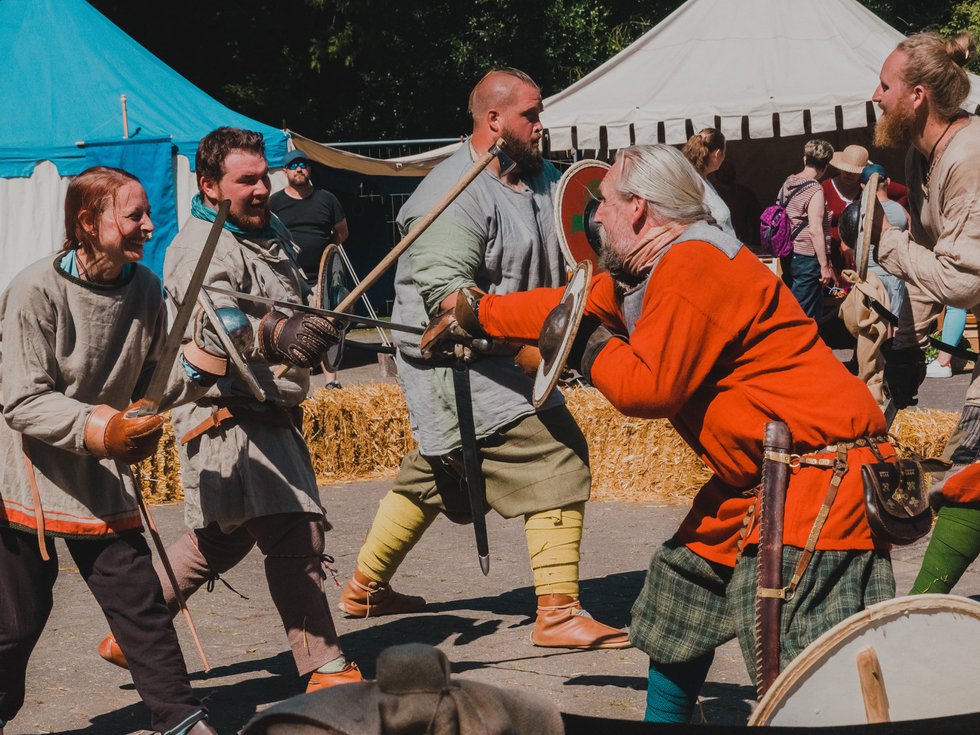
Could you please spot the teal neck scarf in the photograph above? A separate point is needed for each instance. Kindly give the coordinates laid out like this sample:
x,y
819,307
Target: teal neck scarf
x,y
275,230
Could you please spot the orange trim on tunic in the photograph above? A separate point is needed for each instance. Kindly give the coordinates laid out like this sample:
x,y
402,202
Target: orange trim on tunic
x,y
65,524
720,348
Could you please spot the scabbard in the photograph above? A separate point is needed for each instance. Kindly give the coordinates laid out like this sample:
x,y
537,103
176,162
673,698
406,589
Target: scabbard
x,y
473,473
769,594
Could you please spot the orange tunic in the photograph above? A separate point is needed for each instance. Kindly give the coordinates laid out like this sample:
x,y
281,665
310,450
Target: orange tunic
x,y
720,348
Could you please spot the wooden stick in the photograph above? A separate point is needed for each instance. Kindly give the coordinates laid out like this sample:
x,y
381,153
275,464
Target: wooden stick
x,y
168,568
872,686
371,278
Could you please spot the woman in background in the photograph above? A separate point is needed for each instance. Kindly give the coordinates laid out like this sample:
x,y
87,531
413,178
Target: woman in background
x,y
706,152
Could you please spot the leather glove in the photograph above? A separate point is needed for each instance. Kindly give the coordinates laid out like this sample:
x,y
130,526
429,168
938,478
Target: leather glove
x,y
115,434
205,352
300,339
591,337
456,333
905,369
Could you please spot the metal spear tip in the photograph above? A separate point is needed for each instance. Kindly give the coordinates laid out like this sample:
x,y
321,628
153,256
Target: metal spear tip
x,y
485,564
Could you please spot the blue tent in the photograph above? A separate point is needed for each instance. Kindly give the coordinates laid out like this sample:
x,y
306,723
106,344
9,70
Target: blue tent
x,y
65,66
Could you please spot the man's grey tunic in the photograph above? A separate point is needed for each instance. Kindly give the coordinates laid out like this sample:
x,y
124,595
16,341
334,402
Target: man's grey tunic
x,y
67,346
248,467
495,237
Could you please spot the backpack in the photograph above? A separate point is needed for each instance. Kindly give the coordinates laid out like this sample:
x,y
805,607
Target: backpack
x,y
775,226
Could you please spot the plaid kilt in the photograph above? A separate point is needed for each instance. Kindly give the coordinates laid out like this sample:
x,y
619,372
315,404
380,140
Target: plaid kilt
x,y
690,606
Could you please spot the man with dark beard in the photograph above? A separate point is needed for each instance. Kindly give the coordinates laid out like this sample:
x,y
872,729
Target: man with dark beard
x,y
693,328
499,237
246,471
923,85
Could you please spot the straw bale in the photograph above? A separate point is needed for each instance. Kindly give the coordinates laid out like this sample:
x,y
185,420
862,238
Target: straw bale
x,y
357,432
363,431
924,431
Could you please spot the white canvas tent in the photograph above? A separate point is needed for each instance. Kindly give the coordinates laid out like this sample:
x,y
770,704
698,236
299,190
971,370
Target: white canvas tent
x,y
752,68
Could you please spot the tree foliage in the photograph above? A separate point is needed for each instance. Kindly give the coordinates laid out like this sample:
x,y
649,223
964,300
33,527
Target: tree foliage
x,y
384,69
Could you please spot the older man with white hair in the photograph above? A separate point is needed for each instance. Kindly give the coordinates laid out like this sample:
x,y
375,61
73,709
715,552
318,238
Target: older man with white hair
x,y
687,324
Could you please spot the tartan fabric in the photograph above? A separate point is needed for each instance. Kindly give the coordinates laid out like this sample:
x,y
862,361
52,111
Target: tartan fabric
x,y
689,606
538,463
963,446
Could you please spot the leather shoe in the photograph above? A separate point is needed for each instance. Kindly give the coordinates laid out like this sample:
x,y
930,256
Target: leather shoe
x,y
348,675
364,598
111,652
562,623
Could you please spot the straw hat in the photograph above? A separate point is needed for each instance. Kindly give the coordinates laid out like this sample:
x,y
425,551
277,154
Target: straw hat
x,y
852,159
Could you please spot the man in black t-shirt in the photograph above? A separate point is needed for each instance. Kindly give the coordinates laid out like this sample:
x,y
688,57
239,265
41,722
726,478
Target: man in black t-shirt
x,y
314,217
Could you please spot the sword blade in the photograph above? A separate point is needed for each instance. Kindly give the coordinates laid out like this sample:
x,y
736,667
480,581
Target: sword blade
x,y
336,315
161,374
475,487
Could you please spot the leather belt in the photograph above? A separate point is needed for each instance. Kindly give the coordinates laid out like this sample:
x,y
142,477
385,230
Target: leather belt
x,y
268,414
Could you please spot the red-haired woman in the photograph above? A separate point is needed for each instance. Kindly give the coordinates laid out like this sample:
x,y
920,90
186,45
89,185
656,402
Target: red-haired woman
x,y
79,337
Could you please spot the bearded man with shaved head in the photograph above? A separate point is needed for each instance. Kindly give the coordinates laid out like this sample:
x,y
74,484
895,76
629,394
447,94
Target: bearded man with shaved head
x,y
498,236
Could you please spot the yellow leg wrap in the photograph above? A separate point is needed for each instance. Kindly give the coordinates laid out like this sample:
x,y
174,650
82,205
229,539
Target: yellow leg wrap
x,y
553,541
398,525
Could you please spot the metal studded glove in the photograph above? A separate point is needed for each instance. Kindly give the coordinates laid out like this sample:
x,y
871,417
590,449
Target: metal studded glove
x,y
299,340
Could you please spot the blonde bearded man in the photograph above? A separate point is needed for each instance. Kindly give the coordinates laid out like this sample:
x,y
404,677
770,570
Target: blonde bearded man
x,y
923,84
499,237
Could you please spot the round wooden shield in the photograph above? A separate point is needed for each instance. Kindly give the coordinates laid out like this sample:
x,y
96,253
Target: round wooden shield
x,y
573,299
862,247
909,658
332,288
578,187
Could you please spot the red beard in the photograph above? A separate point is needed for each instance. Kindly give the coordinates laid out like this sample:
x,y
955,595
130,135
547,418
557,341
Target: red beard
x,y
895,128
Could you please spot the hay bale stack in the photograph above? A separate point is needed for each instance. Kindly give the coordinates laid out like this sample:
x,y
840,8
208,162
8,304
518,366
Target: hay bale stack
x,y
363,432
634,459
357,432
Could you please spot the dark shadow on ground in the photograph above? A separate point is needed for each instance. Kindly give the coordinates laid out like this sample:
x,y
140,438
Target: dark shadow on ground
x,y
608,599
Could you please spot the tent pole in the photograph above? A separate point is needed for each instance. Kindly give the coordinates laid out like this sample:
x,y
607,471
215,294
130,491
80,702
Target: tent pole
x,y
122,101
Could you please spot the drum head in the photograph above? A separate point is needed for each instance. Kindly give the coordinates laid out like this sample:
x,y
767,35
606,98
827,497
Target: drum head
x,y
573,305
862,248
578,187
927,647
332,287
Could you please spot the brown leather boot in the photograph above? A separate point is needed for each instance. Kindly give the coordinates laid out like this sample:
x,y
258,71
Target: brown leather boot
x,y
364,598
562,623
111,652
348,675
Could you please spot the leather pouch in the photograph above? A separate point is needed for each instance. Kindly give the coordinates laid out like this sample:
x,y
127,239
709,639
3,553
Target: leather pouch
x,y
896,501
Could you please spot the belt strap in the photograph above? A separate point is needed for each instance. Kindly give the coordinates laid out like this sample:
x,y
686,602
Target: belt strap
x,y
839,465
36,495
217,418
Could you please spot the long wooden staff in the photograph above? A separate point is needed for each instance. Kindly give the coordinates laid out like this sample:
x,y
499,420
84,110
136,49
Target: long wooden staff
x,y
496,150
168,568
